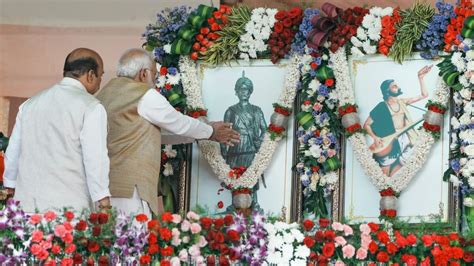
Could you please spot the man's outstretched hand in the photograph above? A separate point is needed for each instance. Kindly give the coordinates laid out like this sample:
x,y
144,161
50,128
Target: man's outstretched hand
x,y
223,133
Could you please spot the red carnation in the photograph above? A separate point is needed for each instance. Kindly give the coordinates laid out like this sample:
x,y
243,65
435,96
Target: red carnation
x,y
152,239
165,263
145,259
167,251
373,227
69,215
153,225
103,218
392,248
165,234
411,238
382,256
309,241
153,249
281,15
141,218
427,240
93,246
308,225
373,247
94,218
383,237
328,249
166,217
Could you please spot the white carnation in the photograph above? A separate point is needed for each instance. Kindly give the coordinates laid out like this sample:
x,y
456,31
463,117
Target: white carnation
x,y
388,11
356,42
361,34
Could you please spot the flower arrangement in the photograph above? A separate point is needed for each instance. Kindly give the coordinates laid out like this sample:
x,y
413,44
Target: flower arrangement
x,y
284,30
462,11
285,244
299,42
387,35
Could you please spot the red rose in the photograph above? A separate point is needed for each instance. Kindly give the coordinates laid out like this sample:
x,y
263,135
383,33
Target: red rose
x,y
106,242
233,235
69,215
468,256
70,248
309,241
329,235
93,246
165,263
90,261
323,222
382,256
287,35
77,258
223,261
206,223
329,82
94,218
55,249
319,236
278,27
308,225
141,218
166,217
66,262
383,237
295,12
103,260
103,218
373,247
218,223
328,249
392,248
373,227
427,240
145,259
287,23
167,251
96,230
281,15
211,260
401,241
228,220
411,238
165,234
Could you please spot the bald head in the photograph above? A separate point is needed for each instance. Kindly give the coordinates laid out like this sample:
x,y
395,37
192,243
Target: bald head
x,y
86,66
132,61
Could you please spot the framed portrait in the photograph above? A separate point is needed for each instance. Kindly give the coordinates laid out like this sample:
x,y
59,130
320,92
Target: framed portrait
x,y
242,93
390,135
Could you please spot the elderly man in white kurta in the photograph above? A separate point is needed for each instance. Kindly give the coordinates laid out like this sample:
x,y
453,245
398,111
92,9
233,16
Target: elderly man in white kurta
x,y
57,155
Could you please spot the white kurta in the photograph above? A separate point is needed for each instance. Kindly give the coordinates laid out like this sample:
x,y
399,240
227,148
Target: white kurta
x,y
57,155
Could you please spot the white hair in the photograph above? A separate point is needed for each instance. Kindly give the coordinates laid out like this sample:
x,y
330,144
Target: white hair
x,y
132,61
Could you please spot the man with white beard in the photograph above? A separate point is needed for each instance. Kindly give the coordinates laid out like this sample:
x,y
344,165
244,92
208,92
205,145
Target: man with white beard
x,y
137,113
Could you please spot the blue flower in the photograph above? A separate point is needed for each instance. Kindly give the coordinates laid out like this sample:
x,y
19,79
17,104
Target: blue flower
x,y
299,41
172,71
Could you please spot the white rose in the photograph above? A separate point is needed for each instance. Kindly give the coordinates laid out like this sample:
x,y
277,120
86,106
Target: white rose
x,y
466,93
469,150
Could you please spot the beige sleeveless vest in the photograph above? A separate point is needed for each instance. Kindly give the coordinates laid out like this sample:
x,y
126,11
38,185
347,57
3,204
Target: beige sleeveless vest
x,y
134,144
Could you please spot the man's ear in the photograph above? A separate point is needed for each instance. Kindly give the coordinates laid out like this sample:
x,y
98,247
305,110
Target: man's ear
x,y
90,76
142,75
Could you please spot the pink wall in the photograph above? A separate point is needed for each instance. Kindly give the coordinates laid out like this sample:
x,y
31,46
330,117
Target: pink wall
x,y
32,58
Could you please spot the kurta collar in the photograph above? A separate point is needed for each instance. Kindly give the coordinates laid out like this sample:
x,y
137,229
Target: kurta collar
x,y
72,82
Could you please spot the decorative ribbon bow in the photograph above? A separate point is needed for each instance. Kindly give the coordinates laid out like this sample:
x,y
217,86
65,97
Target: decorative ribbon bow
x,y
323,26
183,43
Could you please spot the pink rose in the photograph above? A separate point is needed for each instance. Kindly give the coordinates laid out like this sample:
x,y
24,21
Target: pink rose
x,y
35,219
35,249
194,251
340,241
49,237
348,230
59,230
348,251
175,261
67,262
337,226
45,245
364,229
49,216
176,218
68,226
193,216
195,228
185,225
202,241
37,236
339,263
183,255
361,254
365,241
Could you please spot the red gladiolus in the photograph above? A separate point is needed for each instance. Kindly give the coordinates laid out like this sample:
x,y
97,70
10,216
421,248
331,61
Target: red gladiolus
x,y
153,249
328,249
96,230
308,225
153,225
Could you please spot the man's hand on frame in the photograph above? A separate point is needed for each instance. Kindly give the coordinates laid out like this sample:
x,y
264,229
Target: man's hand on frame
x,y
223,133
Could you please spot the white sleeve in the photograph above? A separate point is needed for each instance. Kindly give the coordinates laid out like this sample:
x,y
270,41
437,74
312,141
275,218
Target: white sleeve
x,y
93,139
157,110
12,155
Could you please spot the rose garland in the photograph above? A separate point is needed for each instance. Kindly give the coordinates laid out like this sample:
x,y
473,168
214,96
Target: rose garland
x,y
422,146
211,151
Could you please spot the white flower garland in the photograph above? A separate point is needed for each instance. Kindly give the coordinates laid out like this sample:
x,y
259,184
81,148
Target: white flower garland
x,y
369,32
211,151
257,32
422,146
